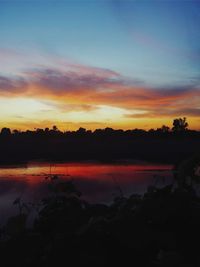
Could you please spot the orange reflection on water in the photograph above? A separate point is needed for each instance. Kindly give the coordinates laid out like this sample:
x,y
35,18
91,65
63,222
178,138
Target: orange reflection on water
x,y
99,182
90,170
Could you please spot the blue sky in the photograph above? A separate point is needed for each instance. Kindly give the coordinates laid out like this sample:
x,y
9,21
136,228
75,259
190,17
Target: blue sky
x,y
152,43
137,38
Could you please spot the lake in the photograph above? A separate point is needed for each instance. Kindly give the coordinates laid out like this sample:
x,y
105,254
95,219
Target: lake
x,y
98,182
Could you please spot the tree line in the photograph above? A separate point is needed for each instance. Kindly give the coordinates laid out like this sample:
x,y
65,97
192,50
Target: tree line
x,y
180,125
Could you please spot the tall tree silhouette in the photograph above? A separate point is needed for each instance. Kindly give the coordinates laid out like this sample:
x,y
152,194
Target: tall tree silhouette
x,y
5,131
179,125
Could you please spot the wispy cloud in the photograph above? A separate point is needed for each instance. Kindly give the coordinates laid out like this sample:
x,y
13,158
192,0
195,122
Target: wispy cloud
x,y
78,87
192,112
13,86
59,81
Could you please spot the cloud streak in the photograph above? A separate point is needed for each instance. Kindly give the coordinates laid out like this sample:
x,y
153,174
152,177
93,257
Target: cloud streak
x,y
83,88
193,112
12,86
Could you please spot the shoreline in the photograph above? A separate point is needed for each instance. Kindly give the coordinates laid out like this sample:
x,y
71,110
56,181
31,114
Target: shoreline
x,y
45,162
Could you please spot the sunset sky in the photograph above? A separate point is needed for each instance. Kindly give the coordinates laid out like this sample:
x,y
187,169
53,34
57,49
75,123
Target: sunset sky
x,y
99,63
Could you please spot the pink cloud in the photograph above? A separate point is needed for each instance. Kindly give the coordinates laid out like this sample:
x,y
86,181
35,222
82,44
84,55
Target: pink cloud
x,y
85,88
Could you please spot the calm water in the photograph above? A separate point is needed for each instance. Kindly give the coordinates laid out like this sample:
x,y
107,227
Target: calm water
x,y
98,182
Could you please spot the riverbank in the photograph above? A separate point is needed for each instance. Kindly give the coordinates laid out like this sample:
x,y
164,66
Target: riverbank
x,y
168,149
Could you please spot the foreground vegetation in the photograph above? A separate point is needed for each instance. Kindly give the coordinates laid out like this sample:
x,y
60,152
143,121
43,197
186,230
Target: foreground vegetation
x,y
160,228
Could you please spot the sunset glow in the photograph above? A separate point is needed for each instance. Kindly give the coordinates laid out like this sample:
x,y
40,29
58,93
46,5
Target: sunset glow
x,y
113,67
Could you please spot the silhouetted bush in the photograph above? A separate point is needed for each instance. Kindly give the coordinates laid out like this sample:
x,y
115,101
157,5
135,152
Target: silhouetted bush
x,y
160,228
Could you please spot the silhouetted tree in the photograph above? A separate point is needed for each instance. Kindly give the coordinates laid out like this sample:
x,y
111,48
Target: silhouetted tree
x,y
81,131
39,131
108,130
165,129
179,125
5,131
16,132
55,128
187,172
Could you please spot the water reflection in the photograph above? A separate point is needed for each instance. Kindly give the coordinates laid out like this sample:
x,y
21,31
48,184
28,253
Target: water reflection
x,y
98,182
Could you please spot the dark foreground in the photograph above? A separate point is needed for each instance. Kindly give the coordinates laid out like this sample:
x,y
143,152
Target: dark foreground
x,y
103,145
160,228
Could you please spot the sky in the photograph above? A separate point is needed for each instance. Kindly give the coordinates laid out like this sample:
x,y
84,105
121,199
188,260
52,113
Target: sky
x,y
99,63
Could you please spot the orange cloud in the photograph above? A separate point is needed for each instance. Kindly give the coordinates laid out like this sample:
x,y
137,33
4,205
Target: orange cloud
x,y
74,87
